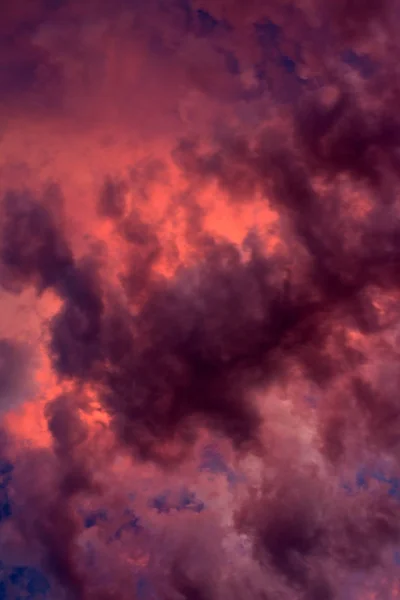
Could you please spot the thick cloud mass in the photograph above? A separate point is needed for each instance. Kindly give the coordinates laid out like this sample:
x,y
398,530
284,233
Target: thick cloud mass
x,y
199,214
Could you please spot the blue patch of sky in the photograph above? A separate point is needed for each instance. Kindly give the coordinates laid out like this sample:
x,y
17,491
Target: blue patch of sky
x,y
361,483
94,517
189,501
18,581
6,469
198,22
160,503
288,64
193,22
131,525
362,479
206,23
5,506
30,579
23,582
364,476
145,590
165,502
361,63
311,400
186,21
267,33
270,38
211,461
393,483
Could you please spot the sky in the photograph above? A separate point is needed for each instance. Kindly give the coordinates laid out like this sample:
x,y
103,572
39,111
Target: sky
x,y
199,286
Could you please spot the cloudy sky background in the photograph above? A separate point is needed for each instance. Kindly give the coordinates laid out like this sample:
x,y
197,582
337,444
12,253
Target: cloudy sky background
x,y
199,269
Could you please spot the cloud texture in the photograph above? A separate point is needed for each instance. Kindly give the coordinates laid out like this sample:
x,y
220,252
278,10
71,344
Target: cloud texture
x,y
199,269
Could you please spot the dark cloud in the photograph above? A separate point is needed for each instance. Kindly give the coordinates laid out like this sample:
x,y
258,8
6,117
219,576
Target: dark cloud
x,y
111,201
26,70
343,22
298,531
186,588
191,356
76,328
32,250
343,138
49,521
289,540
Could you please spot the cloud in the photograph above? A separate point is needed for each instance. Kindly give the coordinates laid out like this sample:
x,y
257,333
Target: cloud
x,y
208,216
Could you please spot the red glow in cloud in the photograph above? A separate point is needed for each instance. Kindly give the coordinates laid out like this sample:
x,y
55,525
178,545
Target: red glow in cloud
x,y
199,258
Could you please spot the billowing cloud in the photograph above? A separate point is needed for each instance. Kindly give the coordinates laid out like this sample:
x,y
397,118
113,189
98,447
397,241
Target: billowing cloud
x,y
199,225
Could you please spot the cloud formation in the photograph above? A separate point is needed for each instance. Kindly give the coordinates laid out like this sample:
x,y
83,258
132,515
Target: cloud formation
x,y
199,207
